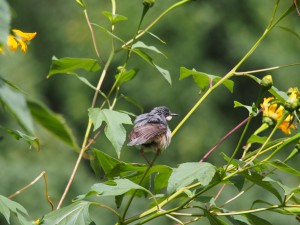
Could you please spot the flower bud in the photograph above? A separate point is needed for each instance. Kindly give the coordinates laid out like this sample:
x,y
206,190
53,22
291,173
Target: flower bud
x,y
268,121
148,3
266,82
292,103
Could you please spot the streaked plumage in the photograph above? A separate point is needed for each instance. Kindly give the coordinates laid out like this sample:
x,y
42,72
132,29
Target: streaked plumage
x,y
152,130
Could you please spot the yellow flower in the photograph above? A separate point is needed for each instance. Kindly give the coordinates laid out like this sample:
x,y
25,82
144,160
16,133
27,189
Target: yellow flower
x,y
12,43
275,112
19,38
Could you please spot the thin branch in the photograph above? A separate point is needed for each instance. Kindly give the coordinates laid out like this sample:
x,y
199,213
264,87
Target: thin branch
x,y
43,174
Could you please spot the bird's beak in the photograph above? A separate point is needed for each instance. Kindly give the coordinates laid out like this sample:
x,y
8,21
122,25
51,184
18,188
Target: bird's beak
x,y
170,117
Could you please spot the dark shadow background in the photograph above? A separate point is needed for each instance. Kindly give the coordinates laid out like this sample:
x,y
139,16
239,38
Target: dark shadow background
x,y
210,36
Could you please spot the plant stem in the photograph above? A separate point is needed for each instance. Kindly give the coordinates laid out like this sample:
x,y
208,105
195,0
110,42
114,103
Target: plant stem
x,y
142,179
233,71
89,126
155,21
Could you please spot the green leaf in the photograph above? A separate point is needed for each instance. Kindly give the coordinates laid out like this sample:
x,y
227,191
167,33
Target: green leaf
x,y
290,31
67,65
140,44
125,76
134,172
280,95
5,19
108,32
114,129
255,220
258,180
164,72
52,122
74,214
32,141
251,109
287,190
283,167
156,37
114,18
112,188
238,220
106,162
214,220
149,60
256,139
7,206
203,80
238,181
133,102
187,173
15,102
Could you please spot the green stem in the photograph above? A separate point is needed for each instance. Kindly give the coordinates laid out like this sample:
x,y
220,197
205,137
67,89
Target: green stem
x,y
287,142
161,213
89,126
155,21
233,71
286,113
134,193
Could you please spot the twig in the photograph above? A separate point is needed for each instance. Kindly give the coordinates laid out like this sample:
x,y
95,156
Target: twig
x,y
43,174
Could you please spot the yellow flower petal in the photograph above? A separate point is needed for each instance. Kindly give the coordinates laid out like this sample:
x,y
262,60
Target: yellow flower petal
x,y
275,113
24,36
23,45
12,43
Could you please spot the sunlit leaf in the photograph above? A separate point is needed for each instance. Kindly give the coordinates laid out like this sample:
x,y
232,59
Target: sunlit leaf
x,y
203,80
8,206
114,129
125,76
258,180
106,162
187,173
256,139
67,65
74,214
15,102
114,18
112,188
251,109
140,44
32,141
149,60
5,18
53,122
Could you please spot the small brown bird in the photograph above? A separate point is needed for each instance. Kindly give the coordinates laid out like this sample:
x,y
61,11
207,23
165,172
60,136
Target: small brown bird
x,y
151,130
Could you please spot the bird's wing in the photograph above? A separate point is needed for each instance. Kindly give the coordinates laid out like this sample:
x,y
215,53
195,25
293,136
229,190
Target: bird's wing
x,y
145,134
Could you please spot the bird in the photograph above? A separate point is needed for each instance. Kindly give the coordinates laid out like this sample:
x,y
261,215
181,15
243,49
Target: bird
x,y
151,130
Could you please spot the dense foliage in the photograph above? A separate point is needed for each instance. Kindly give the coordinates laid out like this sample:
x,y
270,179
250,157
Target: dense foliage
x,y
256,173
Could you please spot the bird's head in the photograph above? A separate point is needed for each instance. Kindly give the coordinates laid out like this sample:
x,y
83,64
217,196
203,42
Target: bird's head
x,y
163,111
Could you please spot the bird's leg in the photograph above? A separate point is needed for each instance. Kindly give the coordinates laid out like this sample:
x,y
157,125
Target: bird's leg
x,y
143,155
